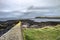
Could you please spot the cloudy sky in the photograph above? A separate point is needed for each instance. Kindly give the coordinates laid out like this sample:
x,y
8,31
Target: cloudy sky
x,y
11,5
23,4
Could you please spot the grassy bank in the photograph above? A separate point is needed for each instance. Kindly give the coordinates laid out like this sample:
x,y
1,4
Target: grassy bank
x,y
46,33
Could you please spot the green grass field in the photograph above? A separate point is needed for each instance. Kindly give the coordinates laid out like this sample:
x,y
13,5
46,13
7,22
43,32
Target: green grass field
x,y
46,33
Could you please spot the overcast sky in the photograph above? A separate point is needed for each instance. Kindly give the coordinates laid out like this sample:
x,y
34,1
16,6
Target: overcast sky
x,y
22,4
11,5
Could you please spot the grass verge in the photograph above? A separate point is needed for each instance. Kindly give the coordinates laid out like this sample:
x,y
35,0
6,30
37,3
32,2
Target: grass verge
x,y
46,33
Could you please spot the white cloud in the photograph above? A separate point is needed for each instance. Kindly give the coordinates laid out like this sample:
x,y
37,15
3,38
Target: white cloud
x,y
11,5
22,4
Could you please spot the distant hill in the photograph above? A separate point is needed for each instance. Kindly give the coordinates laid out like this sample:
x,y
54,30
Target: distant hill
x,y
48,17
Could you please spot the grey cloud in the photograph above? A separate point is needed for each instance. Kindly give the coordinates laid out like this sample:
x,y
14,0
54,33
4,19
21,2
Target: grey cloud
x,y
10,14
12,4
16,5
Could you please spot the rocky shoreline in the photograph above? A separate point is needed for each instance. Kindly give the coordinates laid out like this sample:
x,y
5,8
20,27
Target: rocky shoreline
x,y
7,25
33,24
